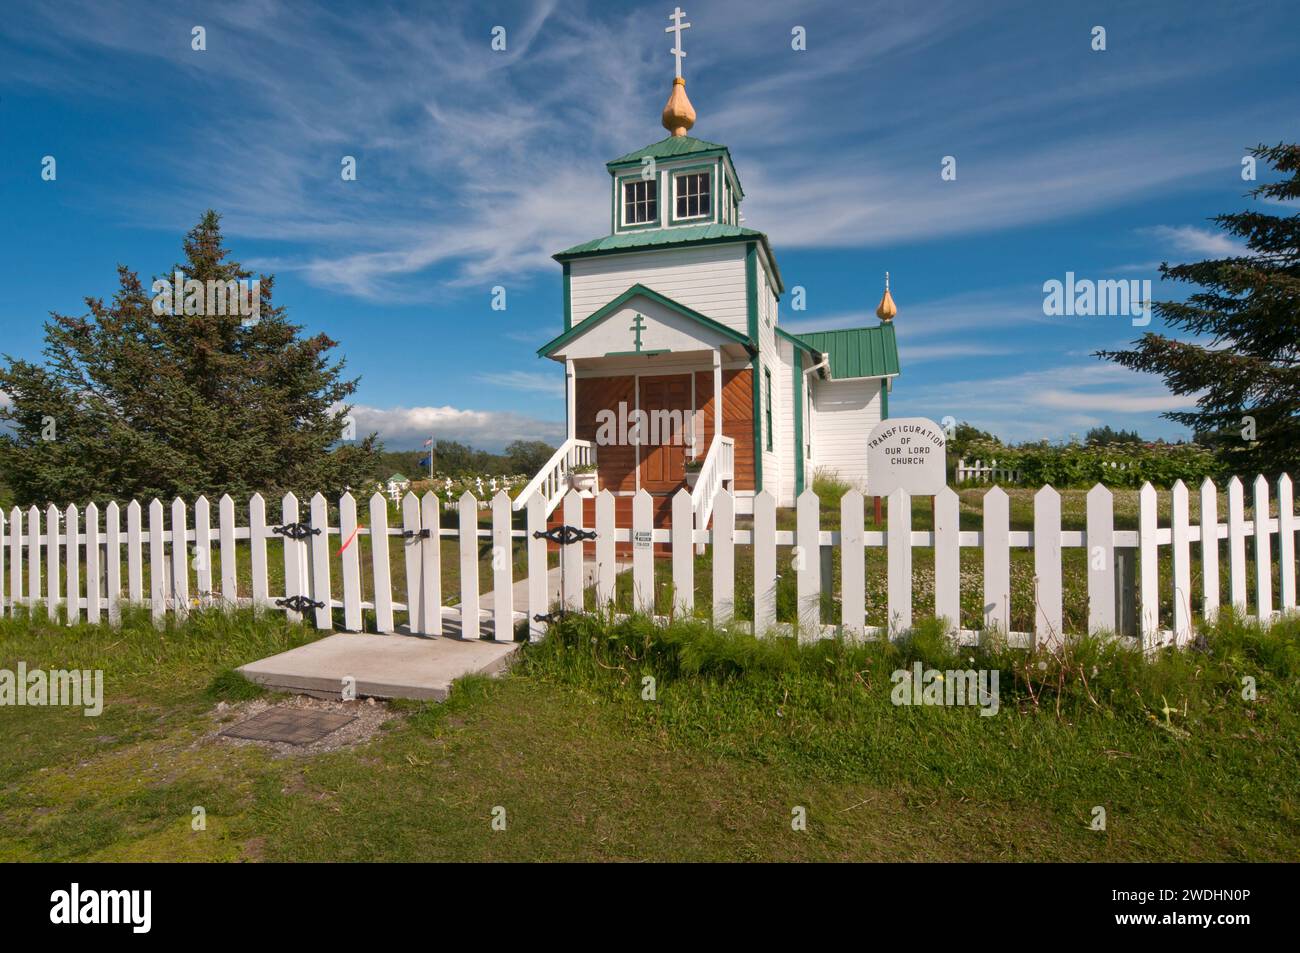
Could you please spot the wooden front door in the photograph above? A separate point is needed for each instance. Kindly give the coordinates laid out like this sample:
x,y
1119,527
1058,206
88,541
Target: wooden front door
x,y
662,462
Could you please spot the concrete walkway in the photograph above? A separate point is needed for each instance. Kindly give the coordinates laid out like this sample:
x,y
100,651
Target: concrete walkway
x,y
403,665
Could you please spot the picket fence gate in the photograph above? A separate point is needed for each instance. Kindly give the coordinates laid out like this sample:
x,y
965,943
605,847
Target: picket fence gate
x,y
63,537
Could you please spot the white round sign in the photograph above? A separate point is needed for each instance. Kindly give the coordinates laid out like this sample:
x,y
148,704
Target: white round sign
x,y
909,453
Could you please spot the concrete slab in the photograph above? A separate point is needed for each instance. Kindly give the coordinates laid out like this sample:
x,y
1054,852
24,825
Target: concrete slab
x,y
384,666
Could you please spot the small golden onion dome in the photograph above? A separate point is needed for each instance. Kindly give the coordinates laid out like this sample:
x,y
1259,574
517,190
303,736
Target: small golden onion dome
x,y
887,309
679,115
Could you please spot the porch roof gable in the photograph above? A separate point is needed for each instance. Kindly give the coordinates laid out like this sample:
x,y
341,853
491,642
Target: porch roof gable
x,y
588,323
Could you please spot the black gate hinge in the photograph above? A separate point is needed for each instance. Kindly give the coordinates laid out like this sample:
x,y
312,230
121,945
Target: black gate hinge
x,y
295,530
564,534
416,534
299,603
550,617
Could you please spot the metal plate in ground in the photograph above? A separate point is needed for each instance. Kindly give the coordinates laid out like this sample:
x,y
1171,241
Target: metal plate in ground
x,y
295,726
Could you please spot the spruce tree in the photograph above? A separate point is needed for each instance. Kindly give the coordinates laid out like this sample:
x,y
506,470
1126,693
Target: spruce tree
x,y
130,403
1244,359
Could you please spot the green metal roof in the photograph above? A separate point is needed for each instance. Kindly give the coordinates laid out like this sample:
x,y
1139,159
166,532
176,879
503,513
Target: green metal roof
x,y
670,148
589,322
657,237
857,352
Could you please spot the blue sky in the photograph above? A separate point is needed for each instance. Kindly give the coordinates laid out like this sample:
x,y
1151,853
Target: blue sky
x,y
474,166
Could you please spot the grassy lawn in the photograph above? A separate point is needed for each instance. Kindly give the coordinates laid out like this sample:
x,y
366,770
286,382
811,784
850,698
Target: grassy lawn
x,y
740,734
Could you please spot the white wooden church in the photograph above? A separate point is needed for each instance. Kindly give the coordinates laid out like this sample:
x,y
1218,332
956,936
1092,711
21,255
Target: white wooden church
x,y
675,315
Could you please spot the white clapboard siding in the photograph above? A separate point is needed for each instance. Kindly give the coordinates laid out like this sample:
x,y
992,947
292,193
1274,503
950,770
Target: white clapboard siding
x,y
643,570
203,551
180,559
1148,567
431,597
1237,545
1286,529
94,567
807,564
1180,535
412,560
1100,539
538,570
1210,549
158,594
503,559
72,520
1263,550
320,563
724,556
684,553
350,561
4,595
469,617
606,571
380,567
1048,618
947,558
764,563
997,561
898,585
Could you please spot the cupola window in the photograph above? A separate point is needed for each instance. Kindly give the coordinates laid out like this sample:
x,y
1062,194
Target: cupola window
x,y
693,194
640,202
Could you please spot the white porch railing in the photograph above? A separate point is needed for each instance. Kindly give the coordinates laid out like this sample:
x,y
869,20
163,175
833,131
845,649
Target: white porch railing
x,y
719,467
552,480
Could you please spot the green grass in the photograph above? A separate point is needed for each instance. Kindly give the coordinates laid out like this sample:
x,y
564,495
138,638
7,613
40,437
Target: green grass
x,y
740,733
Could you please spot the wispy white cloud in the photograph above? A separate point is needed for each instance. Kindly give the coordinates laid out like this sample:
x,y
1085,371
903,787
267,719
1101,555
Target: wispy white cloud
x,y
405,427
1050,402
532,381
1190,240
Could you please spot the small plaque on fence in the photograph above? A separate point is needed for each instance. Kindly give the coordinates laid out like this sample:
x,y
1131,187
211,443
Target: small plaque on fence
x,y
908,453
641,538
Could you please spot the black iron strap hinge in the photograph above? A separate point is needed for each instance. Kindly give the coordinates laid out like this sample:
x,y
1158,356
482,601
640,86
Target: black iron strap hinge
x,y
564,534
299,603
550,617
416,534
295,530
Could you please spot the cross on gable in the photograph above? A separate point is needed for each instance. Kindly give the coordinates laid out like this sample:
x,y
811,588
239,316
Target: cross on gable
x,y
676,29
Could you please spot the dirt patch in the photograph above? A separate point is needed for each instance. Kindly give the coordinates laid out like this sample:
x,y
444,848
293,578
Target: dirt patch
x,y
370,717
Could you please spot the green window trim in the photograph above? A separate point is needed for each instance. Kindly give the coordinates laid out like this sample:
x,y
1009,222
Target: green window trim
x,y
798,422
568,296
714,203
618,227
767,409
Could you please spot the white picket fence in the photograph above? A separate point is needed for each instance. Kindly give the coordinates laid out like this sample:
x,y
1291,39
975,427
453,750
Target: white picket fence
x,y
64,536
981,472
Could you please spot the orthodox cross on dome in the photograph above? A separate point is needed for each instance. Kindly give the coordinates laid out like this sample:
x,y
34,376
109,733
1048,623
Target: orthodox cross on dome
x,y
676,29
